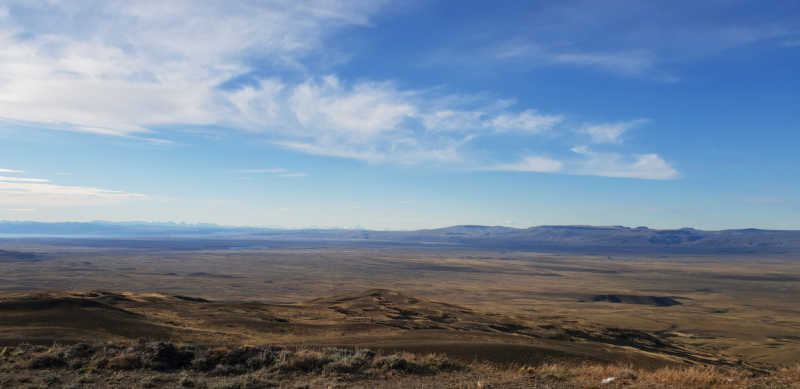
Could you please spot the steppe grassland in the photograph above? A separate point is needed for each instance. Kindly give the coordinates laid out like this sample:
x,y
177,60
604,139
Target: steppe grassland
x,y
739,305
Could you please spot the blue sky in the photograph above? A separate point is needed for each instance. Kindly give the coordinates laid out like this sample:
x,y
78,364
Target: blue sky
x,y
402,115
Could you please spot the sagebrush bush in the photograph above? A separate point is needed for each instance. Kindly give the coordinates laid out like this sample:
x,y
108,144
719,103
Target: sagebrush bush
x,y
80,350
125,361
50,379
46,361
391,362
192,382
789,375
165,356
148,383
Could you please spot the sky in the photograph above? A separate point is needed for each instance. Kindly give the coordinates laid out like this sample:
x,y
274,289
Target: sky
x,y
402,114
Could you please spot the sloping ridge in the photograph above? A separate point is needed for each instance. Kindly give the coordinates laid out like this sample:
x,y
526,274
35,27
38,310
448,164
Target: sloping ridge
x,y
42,304
524,340
41,318
376,318
400,310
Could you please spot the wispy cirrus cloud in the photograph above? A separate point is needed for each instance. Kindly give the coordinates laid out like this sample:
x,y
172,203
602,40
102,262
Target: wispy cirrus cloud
x,y
621,38
531,164
22,179
11,171
610,132
360,112
125,66
767,199
273,172
626,62
645,166
377,122
528,121
37,192
128,68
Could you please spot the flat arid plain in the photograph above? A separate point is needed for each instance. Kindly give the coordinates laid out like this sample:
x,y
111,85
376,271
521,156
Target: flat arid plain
x,y
513,308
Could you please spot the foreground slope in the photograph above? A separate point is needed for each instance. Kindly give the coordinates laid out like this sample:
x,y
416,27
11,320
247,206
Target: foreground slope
x,y
378,319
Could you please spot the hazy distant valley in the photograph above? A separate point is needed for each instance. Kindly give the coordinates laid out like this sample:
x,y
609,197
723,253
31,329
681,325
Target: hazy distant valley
x,y
569,238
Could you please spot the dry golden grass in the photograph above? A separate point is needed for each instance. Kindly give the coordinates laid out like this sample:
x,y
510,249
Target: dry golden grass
x,y
698,376
164,365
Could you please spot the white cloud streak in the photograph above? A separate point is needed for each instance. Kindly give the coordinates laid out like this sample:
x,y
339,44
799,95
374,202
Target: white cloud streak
x,y
531,164
275,172
633,62
630,62
11,171
366,110
768,199
21,179
34,191
527,121
610,132
645,166
630,39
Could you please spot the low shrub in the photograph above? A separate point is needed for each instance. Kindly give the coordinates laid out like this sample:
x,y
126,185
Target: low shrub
x,y
257,362
192,382
788,375
77,364
420,365
391,362
46,361
227,370
100,363
80,350
50,379
203,364
242,355
233,383
148,383
165,356
125,361
434,363
305,360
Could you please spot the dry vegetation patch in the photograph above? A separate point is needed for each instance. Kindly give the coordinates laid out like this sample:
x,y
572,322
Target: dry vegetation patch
x,y
156,364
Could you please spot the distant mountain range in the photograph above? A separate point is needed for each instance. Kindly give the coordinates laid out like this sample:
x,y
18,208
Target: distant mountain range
x,y
134,228
583,238
506,238
103,228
